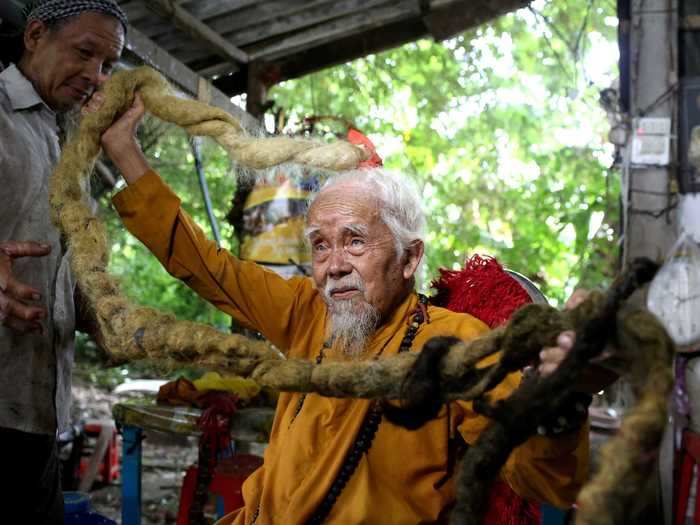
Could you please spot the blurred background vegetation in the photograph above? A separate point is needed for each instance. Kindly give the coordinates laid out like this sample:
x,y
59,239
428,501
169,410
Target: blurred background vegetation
x,y
500,127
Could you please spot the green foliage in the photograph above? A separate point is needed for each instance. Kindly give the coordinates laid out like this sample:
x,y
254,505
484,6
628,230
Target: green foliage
x,y
499,126
144,279
90,366
501,129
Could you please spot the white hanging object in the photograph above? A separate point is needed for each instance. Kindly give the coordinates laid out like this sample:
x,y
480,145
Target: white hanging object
x,y
674,294
689,213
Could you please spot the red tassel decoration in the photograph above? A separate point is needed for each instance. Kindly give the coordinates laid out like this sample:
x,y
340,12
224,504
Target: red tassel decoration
x,y
482,289
507,508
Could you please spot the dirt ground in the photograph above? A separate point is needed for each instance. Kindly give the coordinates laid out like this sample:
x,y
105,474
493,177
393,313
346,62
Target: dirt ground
x,y
165,459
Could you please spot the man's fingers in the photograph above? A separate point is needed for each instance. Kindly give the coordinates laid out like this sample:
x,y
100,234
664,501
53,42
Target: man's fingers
x,y
13,249
11,308
579,295
23,327
94,103
20,326
135,113
566,339
552,354
25,249
552,357
546,369
138,104
19,290
4,306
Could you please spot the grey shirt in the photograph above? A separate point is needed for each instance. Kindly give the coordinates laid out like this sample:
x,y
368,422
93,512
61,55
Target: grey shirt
x,y
35,369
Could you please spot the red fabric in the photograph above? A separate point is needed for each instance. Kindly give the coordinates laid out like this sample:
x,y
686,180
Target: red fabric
x,y
227,482
689,456
214,424
214,421
110,465
507,508
186,496
482,289
357,138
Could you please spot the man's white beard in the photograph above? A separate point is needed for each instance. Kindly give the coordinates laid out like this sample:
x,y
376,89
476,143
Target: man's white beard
x,y
353,321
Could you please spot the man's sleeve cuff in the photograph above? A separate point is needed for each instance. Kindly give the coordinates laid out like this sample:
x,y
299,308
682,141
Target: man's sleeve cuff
x,y
145,190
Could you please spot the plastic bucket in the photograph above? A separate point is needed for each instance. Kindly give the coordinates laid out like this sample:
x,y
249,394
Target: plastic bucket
x,y
77,511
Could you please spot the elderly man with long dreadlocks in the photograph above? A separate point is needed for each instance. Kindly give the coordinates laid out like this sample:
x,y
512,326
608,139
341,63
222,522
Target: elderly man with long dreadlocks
x,y
69,49
340,460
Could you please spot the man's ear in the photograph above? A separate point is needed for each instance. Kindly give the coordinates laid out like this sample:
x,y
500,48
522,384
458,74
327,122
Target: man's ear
x,y
411,259
33,33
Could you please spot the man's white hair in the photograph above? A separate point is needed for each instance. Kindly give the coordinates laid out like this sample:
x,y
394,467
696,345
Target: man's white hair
x,y
400,203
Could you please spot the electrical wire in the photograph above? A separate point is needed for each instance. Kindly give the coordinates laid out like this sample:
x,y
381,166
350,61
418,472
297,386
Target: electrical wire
x,y
654,11
659,100
656,214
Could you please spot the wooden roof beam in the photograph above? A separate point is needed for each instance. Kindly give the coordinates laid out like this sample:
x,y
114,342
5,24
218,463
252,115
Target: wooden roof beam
x,y
447,19
243,28
206,9
187,80
199,30
443,20
220,68
290,19
335,30
375,40
313,15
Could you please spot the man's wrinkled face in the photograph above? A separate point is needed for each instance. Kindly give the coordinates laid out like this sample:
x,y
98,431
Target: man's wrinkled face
x,y
354,259
68,62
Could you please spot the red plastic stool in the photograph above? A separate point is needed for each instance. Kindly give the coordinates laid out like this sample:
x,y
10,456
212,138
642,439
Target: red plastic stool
x,y
688,457
108,469
227,482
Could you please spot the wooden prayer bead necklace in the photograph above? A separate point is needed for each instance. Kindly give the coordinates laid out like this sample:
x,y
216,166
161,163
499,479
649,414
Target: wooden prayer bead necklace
x,y
369,427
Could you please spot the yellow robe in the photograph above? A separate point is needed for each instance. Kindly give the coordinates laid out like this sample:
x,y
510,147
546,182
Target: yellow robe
x,y
405,477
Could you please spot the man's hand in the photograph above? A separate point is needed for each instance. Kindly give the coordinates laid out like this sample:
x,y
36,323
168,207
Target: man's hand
x,y
551,357
594,378
14,295
576,298
119,140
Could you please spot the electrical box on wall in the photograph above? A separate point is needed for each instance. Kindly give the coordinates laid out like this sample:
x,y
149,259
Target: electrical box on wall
x,y
651,142
688,173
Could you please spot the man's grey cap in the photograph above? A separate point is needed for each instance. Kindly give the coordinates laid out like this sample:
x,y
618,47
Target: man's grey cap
x,y
49,11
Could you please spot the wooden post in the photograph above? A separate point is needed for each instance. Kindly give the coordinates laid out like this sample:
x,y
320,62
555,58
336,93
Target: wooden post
x,y
649,192
256,92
